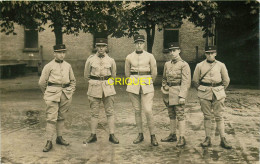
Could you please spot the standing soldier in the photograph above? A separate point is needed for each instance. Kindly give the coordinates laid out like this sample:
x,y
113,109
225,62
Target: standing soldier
x,y
98,69
141,64
211,79
58,83
175,85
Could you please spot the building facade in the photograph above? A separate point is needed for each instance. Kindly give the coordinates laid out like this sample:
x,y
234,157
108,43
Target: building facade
x,y
30,46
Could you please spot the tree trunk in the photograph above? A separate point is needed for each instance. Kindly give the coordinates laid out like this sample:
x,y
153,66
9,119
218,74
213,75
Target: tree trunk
x,y
150,38
58,34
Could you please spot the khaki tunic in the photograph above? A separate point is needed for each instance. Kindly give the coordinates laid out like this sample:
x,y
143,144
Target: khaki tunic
x,y
100,67
58,73
217,74
176,72
144,62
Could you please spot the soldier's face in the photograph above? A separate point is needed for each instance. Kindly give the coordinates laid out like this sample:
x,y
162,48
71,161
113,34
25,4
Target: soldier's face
x,y
101,49
211,56
59,55
139,46
175,53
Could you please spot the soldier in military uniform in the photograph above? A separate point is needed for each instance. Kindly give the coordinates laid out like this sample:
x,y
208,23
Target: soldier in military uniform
x,y
141,64
100,68
58,83
211,79
175,85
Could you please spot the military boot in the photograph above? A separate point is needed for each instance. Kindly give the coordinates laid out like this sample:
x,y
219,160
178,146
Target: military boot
x,y
225,144
170,138
206,143
61,141
153,140
48,146
113,139
181,142
139,138
91,138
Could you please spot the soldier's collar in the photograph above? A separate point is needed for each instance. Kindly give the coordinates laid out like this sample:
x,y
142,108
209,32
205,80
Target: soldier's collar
x,y
139,52
175,61
210,61
101,56
58,61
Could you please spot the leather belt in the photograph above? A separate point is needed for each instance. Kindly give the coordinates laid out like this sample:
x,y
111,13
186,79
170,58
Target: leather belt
x,y
211,84
99,77
58,85
173,84
140,73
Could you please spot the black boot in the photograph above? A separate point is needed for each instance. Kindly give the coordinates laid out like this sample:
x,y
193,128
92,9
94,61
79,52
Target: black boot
x,y
153,140
139,138
113,139
225,144
91,138
170,138
181,142
206,143
48,146
61,141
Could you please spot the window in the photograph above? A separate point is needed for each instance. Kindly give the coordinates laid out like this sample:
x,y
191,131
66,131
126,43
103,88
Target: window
x,y
170,35
30,39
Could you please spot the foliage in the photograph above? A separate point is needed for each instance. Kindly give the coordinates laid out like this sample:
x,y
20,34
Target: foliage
x,y
104,17
119,18
149,15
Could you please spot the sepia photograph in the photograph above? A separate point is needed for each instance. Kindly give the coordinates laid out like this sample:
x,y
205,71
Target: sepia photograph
x,y
129,82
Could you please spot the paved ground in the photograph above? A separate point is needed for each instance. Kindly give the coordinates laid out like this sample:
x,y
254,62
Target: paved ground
x,y
23,126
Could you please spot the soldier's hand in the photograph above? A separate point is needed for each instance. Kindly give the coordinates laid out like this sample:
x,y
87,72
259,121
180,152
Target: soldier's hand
x,y
182,101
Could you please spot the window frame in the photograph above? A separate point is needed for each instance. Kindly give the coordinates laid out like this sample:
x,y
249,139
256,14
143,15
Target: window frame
x,y
30,49
165,49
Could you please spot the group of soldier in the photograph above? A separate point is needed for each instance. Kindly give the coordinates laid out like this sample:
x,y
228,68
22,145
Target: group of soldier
x,y
210,78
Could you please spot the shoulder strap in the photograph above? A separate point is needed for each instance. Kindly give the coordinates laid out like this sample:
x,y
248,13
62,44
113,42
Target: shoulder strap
x,y
207,71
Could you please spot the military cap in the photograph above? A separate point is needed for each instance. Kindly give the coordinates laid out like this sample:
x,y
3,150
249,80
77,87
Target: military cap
x,y
210,49
139,38
173,45
101,41
59,47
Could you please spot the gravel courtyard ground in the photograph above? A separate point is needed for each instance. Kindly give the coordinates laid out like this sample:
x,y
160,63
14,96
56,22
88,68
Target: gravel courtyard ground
x,y
23,129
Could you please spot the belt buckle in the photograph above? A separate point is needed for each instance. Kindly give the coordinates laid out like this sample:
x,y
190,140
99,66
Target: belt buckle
x,y
212,84
63,85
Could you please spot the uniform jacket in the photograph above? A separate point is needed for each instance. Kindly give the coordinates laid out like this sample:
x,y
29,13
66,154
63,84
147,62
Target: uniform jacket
x,y
176,72
96,66
217,74
144,62
58,73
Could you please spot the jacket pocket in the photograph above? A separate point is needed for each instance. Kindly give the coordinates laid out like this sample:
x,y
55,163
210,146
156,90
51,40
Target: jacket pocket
x,y
51,90
95,68
219,92
69,89
91,85
174,92
148,81
95,89
219,88
108,89
107,68
202,88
